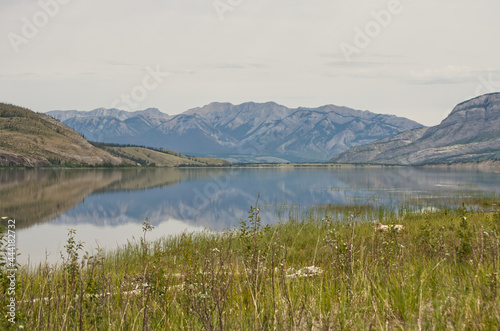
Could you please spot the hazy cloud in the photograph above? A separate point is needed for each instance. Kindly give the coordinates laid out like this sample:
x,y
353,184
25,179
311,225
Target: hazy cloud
x,y
425,60
446,75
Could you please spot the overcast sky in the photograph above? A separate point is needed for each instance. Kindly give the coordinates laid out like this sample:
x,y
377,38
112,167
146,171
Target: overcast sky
x,y
412,58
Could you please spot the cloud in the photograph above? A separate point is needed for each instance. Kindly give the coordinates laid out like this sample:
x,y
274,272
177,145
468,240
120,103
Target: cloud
x,y
345,64
229,66
117,63
361,57
18,75
272,50
447,75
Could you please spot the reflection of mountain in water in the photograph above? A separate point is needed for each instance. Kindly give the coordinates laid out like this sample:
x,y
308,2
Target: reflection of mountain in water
x,y
219,198
38,195
33,196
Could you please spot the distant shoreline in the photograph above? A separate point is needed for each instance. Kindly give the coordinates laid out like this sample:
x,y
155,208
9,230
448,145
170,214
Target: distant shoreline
x,y
487,166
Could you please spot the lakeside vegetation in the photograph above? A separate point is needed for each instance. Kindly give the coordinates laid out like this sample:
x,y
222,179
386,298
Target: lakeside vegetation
x,y
440,272
157,157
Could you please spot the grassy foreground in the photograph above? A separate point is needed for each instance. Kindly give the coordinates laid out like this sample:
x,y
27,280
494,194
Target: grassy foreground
x,y
440,272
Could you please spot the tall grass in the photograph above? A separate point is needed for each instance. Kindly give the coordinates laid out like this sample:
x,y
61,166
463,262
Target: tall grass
x,y
440,272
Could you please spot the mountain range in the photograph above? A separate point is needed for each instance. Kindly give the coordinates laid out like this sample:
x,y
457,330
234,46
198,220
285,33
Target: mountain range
x,y
471,133
249,132
33,139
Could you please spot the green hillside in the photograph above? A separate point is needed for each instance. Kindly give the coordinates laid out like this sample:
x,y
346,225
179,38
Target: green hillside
x,y
158,157
33,139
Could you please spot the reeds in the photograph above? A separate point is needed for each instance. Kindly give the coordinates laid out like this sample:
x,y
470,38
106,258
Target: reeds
x,y
440,272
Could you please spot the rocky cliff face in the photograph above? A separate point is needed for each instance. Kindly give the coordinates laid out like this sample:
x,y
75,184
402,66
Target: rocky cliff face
x,y
471,133
250,131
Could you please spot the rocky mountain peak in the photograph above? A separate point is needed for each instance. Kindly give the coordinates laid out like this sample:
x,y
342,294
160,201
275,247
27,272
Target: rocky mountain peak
x,y
470,133
488,101
265,131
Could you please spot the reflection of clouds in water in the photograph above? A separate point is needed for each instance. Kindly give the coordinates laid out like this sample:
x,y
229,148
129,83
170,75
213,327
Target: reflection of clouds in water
x,y
116,215
227,204
107,237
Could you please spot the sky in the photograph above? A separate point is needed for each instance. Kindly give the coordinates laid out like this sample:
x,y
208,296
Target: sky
x,y
411,58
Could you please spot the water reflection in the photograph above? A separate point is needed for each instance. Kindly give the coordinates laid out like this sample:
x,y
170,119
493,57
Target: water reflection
x,y
109,203
36,196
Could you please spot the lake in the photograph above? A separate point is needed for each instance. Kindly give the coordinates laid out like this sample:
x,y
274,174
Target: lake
x,y
108,206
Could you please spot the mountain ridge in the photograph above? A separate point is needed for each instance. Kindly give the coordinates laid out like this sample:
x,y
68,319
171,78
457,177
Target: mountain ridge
x,y
470,133
252,132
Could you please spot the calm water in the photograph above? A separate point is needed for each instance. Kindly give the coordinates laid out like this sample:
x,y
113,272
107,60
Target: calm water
x,y
107,207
